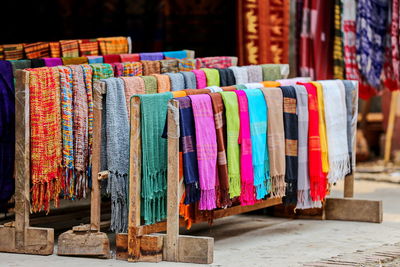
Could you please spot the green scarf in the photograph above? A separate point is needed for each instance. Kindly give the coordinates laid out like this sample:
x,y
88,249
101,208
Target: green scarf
x,y
150,84
232,129
153,109
271,72
212,76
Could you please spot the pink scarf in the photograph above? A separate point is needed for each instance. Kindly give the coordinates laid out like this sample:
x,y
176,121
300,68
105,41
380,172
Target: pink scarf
x,y
247,196
201,78
206,145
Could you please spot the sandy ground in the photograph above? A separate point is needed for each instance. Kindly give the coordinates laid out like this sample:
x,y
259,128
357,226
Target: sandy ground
x,y
256,240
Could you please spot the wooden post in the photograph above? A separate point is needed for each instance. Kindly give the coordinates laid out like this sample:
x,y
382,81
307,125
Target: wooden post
x,y
390,128
172,244
349,185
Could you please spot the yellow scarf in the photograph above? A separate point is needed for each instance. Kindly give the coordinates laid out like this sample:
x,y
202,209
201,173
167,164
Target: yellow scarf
x,y
322,127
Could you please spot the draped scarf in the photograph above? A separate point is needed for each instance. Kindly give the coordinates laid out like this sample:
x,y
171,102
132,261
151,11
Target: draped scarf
x,y
177,81
118,69
201,79
255,73
163,83
169,65
101,71
132,69
226,77
150,84
188,64
349,35
247,196
212,76
111,59
351,88
338,61
258,129
130,57
206,147
190,79
271,72
290,122
94,59
151,67
276,140
133,86
233,150
241,75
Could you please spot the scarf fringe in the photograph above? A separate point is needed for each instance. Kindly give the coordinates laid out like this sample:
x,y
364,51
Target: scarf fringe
x,y
291,193
117,188
304,200
278,186
339,168
154,187
192,193
225,201
207,200
234,186
43,193
81,184
247,196
260,182
317,189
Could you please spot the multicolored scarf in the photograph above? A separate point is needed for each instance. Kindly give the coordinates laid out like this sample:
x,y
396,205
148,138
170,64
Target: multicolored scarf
x,y
223,199
276,140
187,64
290,122
88,75
88,47
201,79
206,148
37,50
13,51
102,71
255,73
133,86
214,62
118,69
150,84
132,69
233,150
338,61
226,77
163,83
69,48
349,43
151,67
113,45
189,150
258,129
247,196
190,79
46,146
169,65
55,49
212,76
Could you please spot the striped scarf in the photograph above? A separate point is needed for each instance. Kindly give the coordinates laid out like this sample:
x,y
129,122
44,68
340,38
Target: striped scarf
x,y
338,61
101,71
132,69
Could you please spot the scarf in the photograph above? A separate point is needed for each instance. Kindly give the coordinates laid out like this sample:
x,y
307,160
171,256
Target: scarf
x,y
151,67
154,156
55,49
176,94
212,76
206,147
293,81
13,51
69,48
290,122
271,72
37,63
7,132
52,62
233,151
352,114
258,130
74,60
151,56
46,146
255,73
177,81
197,91
226,77
253,85
214,62
169,65
336,129
370,41
190,79
182,54
276,140
150,84
395,41
94,59
322,127
241,75
222,168
37,50
187,64
189,151
102,71
130,57
201,79
228,88
118,69
132,69
304,200
133,86
338,61
247,196
113,45
318,181
111,59
163,83
214,89
117,152
88,47
20,65
349,33
270,84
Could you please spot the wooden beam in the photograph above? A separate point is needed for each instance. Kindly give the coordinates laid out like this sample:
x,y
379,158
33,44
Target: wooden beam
x,y
390,128
347,209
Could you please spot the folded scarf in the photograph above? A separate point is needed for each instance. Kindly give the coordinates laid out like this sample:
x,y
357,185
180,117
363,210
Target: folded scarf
x,y
212,76
113,45
132,69
176,94
177,81
258,130
255,74
74,60
117,153
247,196
52,62
276,140
240,74
253,85
7,132
13,51
222,168
317,177
233,150
271,72
154,156
151,56
20,65
88,47
130,57
69,48
151,67
304,200
175,54
214,62
37,50
201,79
293,81
214,89
226,77
133,86
111,59
94,59
163,83
150,84
228,88
169,65
189,150
102,71
55,49
190,79
270,84
338,60
206,147
290,122
336,129
118,69
352,112
187,64
45,137
37,63
197,91
322,127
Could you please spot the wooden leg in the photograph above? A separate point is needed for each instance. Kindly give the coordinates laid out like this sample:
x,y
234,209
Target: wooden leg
x,y
390,128
349,185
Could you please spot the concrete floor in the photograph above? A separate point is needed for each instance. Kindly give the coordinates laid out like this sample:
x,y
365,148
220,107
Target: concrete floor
x,y
255,240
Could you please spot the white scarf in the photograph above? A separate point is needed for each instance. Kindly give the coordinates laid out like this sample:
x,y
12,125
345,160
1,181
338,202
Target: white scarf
x,y
241,75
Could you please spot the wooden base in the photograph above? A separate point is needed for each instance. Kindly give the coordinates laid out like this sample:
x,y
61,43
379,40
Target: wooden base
x,y
348,209
83,241
39,241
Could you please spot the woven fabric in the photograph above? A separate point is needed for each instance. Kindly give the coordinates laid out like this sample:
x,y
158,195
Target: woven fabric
x,y
111,59
88,47
88,76
163,83
212,76
176,94
52,62
37,50
13,51
201,79
240,74
271,72
150,84
130,57
258,111
293,81
253,85
190,79
20,65
46,147
176,54
102,71
55,49
352,115
233,150
349,42
177,81
94,59
214,62
118,69
151,56
186,64
255,73
338,60
270,84
169,65
276,140
151,67
133,86
132,69
206,148
226,77
113,45
197,91
69,48
74,60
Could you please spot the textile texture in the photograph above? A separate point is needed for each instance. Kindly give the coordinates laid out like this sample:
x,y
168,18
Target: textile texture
x,y
151,67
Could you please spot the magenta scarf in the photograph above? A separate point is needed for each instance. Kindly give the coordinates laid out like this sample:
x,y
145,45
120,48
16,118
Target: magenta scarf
x,y
201,78
206,145
247,196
